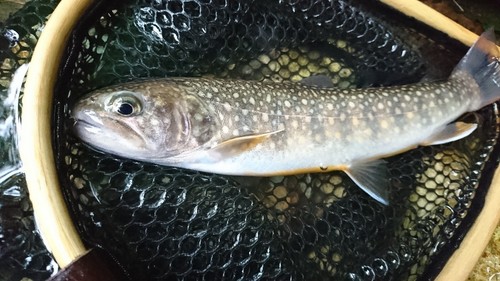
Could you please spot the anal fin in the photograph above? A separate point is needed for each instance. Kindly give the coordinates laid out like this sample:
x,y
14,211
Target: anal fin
x,y
452,132
372,178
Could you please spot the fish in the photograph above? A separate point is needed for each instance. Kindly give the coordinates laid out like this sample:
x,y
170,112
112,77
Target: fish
x,y
252,128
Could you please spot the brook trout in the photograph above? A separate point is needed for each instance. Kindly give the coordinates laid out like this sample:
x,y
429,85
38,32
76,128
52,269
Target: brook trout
x,y
263,129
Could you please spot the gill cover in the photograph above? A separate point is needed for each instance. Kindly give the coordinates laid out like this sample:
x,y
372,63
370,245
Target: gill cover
x,y
155,122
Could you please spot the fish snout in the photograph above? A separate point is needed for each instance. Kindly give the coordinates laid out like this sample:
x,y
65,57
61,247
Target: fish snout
x,y
83,116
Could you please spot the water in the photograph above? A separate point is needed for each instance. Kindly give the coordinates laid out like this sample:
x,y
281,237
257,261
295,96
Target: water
x,y
22,252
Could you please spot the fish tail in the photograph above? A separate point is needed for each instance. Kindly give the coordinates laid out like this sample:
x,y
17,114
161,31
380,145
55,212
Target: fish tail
x,y
482,63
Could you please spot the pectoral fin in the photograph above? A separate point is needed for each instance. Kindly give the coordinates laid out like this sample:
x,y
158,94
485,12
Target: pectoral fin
x,y
452,132
372,178
237,145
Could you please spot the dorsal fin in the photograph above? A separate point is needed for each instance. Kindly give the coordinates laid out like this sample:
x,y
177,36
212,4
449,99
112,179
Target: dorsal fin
x,y
321,81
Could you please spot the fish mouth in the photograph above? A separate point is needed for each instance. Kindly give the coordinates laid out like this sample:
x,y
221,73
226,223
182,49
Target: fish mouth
x,y
106,134
83,120
82,124
85,129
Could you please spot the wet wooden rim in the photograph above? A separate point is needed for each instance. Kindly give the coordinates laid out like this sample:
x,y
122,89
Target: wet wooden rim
x,y
463,260
52,216
425,14
50,211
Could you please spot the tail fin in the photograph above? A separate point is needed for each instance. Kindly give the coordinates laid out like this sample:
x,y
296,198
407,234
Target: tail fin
x,y
482,62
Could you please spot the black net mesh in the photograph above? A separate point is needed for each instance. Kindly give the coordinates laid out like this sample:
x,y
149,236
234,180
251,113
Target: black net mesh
x,y
165,223
22,253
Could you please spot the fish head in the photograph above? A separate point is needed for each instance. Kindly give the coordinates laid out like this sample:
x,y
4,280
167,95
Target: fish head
x,y
143,121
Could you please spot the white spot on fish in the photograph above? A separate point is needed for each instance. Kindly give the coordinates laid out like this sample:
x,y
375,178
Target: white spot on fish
x,y
342,116
384,124
196,117
368,133
265,117
268,98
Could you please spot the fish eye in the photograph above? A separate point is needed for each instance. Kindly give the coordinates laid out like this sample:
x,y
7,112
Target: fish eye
x,y
125,109
126,104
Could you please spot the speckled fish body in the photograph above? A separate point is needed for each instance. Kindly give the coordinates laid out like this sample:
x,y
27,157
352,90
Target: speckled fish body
x,y
253,128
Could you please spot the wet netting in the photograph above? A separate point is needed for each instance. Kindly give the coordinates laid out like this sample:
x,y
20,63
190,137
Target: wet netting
x,y
164,223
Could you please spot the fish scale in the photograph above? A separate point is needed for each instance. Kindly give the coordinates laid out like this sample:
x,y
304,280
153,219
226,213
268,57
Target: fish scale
x,y
238,127
325,112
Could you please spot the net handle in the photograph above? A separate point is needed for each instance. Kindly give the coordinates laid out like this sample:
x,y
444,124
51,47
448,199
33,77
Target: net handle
x,y
50,211
436,20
